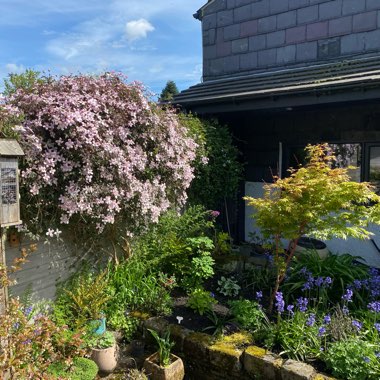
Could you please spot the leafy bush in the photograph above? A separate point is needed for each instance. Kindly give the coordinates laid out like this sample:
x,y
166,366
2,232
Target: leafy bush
x,y
219,179
81,369
179,245
248,314
228,286
353,359
201,301
81,298
132,287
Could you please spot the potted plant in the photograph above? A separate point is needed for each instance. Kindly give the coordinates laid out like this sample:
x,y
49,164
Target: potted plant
x,y
163,365
104,351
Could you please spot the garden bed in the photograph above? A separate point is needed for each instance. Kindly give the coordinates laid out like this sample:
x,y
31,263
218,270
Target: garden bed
x,y
207,359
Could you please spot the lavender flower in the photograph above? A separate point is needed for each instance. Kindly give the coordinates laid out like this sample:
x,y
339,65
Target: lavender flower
x,y
348,295
259,295
322,331
377,327
357,284
290,309
302,304
377,354
280,303
345,310
319,281
366,359
327,319
328,281
374,306
358,325
28,310
311,320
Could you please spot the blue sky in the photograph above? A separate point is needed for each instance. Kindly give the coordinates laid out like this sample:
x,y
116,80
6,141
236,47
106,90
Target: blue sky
x,y
148,40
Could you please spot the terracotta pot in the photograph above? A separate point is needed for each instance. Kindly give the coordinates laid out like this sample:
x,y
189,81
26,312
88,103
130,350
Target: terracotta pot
x,y
105,358
174,371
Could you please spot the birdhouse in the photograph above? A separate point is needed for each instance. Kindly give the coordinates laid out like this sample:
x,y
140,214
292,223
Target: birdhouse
x,y
10,150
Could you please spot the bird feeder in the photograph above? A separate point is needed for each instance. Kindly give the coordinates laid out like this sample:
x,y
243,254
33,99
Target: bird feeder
x,y
10,150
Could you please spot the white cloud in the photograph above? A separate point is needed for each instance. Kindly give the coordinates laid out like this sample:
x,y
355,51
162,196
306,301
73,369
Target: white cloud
x,y
138,29
14,68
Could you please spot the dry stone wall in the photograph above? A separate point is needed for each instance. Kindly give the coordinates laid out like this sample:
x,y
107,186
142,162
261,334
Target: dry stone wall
x,y
208,361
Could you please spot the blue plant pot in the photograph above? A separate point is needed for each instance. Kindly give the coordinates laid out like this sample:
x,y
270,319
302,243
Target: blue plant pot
x,y
99,326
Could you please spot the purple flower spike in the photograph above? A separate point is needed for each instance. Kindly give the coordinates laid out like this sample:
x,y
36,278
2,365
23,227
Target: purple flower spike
x,y
302,304
348,295
259,295
357,324
280,303
319,281
327,319
290,309
357,284
374,306
322,331
311,320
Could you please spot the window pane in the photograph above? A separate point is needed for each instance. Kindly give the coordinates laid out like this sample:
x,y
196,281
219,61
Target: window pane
x,y
348,155
374,165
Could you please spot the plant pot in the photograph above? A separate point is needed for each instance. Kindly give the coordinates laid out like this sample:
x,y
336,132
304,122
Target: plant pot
x,y
98,326
105,358
174,371
306,244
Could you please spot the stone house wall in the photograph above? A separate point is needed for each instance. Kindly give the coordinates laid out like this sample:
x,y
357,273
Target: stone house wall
x,y
244,36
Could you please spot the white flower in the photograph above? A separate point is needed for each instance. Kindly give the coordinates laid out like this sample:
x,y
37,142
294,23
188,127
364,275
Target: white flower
x,y
50,232
179,319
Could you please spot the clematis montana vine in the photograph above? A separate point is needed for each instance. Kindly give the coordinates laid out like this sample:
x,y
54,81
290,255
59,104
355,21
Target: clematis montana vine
x,y
96,148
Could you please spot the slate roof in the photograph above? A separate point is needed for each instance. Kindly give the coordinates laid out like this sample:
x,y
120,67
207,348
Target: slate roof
x,y
362,73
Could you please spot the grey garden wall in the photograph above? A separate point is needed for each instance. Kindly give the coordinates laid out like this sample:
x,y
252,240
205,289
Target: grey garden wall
x,y
49,264
243,36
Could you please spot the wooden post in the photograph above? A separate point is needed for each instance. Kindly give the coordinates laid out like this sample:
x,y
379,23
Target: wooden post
x,y
3,290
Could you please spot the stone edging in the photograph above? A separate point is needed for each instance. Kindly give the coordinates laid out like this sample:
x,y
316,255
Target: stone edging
x,y
218,362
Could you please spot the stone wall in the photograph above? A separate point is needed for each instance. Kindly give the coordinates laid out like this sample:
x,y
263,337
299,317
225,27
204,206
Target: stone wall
x,y
207,360
243,36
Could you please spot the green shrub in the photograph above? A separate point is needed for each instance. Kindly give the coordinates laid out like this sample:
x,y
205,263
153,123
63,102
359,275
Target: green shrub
x,y
81,369
219,179
180,246
201,301
248,314
228,286
353,359
81,298
132,287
